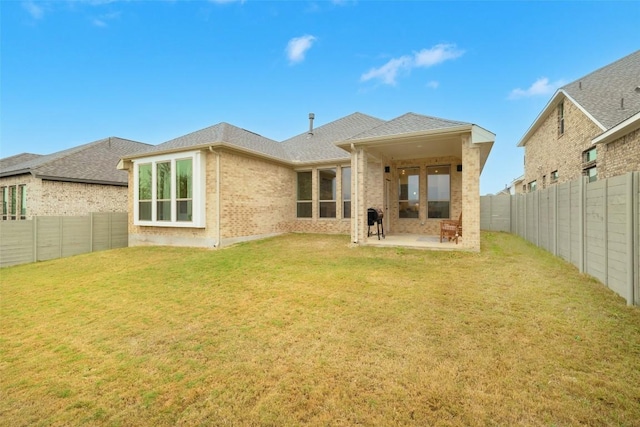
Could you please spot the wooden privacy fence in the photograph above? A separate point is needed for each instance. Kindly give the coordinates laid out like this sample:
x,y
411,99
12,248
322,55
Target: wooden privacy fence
x,y
595,226
44,238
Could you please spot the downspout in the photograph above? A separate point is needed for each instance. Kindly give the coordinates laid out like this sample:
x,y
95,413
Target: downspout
x,y
218,198
355,194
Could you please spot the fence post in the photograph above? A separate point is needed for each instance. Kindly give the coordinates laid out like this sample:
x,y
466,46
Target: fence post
x,y
630,237
91,231
581,208
605,229
34,224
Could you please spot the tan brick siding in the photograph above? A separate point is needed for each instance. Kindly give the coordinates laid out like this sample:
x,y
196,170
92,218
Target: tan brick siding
x,y
58,198
546,151
470,195
619,156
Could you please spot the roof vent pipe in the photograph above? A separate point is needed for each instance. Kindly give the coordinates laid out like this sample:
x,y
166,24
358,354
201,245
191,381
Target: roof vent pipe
x,y
580,85
311,117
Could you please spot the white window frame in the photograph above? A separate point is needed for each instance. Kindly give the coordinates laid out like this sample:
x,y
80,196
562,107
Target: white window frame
x,y
198,219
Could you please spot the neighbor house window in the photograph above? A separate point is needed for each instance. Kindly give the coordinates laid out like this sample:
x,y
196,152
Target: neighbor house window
x,y
304,209
4,193
590,155
346,192
591,173
184,189
561,118
22,193
327,192
554,176
170,190
409,192
438,191
533,185
12,202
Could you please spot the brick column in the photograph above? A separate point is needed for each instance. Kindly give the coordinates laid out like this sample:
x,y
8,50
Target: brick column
x,y
470,194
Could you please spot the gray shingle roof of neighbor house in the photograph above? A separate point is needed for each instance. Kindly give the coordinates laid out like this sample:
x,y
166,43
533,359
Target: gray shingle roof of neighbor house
x,y
609,95
9,162
321,144
94,162
225,133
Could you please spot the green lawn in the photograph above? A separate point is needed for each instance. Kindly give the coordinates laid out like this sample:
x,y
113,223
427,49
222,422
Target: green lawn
x,y
306,330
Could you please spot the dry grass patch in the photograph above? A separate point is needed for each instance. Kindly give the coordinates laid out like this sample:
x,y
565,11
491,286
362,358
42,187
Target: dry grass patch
x,y
303,330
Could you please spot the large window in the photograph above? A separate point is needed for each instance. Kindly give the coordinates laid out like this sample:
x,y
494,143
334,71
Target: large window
x,y
305,193
327,193
438,192
170,190
346,192
184,189
409,192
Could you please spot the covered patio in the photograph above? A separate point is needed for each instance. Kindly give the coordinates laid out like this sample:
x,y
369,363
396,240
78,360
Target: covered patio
x,y
418,171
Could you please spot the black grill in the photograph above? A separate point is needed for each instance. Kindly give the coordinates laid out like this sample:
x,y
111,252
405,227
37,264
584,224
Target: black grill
x,y
374,217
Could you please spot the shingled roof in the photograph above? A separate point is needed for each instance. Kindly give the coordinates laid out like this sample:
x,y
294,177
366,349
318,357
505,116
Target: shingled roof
x,y
94,162
406,124
320,145
610,94
225,133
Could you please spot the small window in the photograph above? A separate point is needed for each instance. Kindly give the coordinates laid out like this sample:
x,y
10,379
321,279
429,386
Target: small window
x,y
184,189
22,194
533,186
12,202
144,192
561,119
591,173
590,155
554,176
409,192
4,193
346,192
327,193
304,209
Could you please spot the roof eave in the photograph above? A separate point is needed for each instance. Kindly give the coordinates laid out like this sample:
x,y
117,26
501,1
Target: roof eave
x,y
380,140
630,124
81,180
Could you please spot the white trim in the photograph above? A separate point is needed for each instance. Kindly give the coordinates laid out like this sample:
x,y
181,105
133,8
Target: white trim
x,y
547,110
198,195
618,130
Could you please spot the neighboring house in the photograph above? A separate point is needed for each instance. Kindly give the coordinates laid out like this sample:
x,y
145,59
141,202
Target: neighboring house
x,y
589,127
76,181
223,184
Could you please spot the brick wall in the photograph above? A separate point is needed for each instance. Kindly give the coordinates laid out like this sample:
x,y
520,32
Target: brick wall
x,y
58,198
546,151
470,194
620,156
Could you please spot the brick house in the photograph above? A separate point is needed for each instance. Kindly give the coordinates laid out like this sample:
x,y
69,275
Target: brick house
x,y
223,184
76,181
589,127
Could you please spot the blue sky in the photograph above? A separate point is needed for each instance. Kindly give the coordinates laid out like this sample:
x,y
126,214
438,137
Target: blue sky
x,y
77,71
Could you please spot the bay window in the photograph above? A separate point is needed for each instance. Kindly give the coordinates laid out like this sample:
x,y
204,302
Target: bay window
x,y
170,190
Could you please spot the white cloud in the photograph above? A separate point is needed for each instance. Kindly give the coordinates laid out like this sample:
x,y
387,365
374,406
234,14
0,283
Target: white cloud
x,y
298,47
542,86
102,21
36,12
437,55
433,84
227,1
425,58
